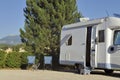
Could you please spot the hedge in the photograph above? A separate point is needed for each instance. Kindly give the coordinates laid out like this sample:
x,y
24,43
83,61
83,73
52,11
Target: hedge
x,y
2,59
24,60
13,59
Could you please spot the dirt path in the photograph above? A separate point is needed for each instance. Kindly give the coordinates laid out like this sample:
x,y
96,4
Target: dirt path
x,y
54,75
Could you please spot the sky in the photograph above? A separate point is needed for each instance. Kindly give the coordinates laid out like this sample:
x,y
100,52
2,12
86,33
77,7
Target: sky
x,y
12,15
98,8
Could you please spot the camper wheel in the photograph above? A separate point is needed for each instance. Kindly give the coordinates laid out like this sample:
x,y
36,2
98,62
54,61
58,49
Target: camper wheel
x,y
108,71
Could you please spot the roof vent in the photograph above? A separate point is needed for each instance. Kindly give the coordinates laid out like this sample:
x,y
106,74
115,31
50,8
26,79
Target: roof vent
x,y
84,19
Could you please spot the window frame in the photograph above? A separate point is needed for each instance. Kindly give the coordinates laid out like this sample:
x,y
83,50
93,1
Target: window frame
x,y
69,41
115,31
101,36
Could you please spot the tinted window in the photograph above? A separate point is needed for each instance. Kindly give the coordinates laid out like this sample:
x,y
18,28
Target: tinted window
x,y
69,41
117,37
101,36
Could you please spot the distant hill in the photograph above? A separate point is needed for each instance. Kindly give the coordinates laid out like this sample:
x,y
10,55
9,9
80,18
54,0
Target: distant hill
x,y
11,40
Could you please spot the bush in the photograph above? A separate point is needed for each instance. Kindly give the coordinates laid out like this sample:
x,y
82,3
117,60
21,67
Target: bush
x,y
24,60
24,57
2,59
13,60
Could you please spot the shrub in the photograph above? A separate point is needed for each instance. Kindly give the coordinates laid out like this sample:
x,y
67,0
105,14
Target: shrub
x,y
24,60
13,60
2,59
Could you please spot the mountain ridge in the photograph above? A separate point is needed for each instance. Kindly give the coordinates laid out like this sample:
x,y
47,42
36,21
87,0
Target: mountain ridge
x,y
11,39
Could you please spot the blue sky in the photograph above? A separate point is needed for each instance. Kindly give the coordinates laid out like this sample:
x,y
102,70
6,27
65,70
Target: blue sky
x,y
98,8
12,18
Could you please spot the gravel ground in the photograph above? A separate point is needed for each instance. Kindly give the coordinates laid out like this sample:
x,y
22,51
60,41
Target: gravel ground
x,y
55,75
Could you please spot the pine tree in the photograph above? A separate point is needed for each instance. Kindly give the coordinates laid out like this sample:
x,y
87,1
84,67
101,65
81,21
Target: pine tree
x,y
43,23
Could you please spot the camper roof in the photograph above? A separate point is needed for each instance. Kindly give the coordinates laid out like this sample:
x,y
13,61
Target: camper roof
x,y
88,23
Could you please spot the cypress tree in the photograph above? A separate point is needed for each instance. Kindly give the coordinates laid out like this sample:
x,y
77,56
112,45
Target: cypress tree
x,y
43,22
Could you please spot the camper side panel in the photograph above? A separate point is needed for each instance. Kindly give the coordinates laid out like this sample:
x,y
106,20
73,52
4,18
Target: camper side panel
x,y
74,51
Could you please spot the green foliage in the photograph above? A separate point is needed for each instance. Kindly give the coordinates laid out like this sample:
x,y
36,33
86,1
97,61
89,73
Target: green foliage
x,y
13,60
24,59
17,47
2,59
43,22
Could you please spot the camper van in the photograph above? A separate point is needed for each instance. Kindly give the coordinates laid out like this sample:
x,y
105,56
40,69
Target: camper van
x,y
91,44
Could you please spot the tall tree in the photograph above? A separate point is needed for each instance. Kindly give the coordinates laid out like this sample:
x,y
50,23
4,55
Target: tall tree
x,y
43,23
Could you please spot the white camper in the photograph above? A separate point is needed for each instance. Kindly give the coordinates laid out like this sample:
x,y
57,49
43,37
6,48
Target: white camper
x,y
91,44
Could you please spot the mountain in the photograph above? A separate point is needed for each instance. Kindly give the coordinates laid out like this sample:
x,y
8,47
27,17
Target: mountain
x,y
12,40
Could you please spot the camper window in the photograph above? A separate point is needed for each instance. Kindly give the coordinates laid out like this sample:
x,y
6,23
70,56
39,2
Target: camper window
x,y
117,37
101,36
69,42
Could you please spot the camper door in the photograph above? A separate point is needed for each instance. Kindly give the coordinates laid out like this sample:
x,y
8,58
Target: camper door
x,y
101,49
93,48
